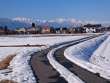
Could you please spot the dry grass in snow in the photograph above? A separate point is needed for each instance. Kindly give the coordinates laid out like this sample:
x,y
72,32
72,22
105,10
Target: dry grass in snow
x,y
6,61
7,81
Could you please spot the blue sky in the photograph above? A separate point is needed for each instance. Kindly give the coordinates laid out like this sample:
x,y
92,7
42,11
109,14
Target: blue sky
x,y
97,10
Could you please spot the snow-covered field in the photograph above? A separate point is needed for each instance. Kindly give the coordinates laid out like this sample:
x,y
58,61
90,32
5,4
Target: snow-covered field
x,y
28,40
19,69
4,41
92,55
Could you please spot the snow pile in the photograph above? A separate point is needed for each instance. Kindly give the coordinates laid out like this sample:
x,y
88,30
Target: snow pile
x,y
85,49
101,56
80,54
22,72
64,72
19,69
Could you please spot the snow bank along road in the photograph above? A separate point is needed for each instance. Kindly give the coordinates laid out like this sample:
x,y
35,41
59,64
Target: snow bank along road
x,y
43,70
81,54
101,58
85,75
18,69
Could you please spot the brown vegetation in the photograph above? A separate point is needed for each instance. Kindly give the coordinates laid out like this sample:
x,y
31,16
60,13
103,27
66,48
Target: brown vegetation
x,y
5,62
7,81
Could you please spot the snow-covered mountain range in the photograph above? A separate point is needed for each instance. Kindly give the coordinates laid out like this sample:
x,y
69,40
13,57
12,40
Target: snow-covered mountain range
x,y
19,22
12,23
54,22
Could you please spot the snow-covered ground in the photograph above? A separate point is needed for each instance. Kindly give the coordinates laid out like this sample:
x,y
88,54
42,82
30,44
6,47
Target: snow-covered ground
x,y
101,56
6,51
19,69
81,53
36,40
22,72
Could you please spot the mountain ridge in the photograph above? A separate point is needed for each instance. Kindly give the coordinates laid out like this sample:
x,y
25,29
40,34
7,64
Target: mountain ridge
x,y
20,22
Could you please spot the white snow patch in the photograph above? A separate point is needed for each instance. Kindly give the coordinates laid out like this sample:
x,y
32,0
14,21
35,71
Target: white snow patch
x,y
4,41
19,69
101,56
22,72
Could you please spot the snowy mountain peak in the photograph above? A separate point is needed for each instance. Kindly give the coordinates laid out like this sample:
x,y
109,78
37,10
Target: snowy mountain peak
x,y
23,19
63,20
58,20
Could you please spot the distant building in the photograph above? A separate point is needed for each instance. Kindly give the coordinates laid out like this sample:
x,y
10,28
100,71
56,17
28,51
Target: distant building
x,y
33,29
108,28
61,30
21,30
30,30
46,29
57,31
2,31
91,28
76,30
64,30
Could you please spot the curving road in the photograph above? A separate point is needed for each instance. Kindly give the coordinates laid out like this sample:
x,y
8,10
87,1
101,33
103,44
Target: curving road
x,y
45,73
86,76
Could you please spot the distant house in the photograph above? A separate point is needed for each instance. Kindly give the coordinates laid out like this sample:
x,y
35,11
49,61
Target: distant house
x,y
108,28
21,30
46,29
78,29
31,30
71,30
57,31
90,28
64,30
2,31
